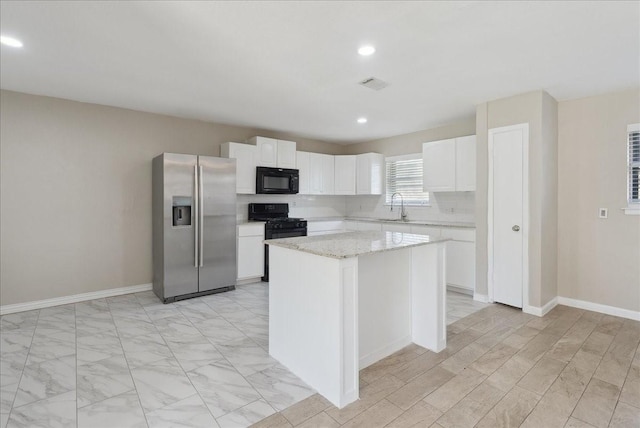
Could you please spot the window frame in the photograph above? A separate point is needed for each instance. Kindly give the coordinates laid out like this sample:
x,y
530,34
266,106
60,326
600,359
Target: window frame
x,y
633,207
387,195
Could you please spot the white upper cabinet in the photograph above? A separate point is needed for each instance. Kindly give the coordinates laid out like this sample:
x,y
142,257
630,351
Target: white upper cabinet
x,y
345,175
439,160
450,165
302,162
321,174
286,157
275,153
466,163
369,173
245,155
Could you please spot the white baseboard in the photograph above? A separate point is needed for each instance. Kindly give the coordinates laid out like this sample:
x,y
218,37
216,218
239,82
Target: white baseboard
x,y
541,311
65,300
247,281
597,307
481,298
383,352
458,289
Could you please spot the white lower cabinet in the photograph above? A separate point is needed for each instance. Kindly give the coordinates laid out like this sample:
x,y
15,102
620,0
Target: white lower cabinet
x,y
461,258
250,250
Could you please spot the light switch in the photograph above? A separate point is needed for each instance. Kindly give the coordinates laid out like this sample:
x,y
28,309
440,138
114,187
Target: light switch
x,y
603,212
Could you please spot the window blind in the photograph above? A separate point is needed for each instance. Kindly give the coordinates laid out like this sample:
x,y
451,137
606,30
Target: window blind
x,y
633,186
404,175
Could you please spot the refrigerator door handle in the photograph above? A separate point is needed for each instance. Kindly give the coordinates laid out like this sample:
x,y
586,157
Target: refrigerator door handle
x,y
195,215
201,237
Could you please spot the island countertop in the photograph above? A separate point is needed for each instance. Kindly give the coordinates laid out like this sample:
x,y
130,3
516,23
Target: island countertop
x,y
353,244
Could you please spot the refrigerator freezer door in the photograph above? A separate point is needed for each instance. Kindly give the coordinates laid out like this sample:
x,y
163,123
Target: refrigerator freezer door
x,y
180,271
218,221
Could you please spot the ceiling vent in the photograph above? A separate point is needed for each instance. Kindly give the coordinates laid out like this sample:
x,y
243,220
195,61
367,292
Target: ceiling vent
x,y
374,83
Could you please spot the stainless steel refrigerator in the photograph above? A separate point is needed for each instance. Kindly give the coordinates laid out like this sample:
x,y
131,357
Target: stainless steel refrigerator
x,y
194,225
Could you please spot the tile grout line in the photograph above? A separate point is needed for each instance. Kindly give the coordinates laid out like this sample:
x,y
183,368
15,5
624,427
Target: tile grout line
x,y
124,355
23,368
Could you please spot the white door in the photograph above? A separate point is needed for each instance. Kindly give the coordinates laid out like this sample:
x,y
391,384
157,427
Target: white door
x,y
508,205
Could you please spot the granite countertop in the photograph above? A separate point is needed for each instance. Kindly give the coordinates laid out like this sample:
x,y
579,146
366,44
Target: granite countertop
x,y
353,244
460,224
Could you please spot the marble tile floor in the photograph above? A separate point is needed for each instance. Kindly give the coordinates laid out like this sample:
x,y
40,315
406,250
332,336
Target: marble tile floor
x,y
501,368
131,361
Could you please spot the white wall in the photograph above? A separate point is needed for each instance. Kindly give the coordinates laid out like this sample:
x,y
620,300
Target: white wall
x,y
75,191
598,259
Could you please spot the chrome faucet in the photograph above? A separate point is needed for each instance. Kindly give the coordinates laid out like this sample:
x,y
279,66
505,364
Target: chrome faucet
x,y
403,213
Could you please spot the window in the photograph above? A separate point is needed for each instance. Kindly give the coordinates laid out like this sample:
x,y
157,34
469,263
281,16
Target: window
x,y
633,165
404,175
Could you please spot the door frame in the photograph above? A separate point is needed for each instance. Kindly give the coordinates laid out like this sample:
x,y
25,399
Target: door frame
x,y
524,128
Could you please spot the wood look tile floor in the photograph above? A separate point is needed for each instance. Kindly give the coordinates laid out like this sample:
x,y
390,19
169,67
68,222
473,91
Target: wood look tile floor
x,y
501,368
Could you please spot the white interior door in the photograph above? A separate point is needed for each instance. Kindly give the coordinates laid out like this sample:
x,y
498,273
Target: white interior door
x,y
508,206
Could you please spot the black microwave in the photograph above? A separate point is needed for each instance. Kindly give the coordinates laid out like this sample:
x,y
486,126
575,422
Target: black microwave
x,y
276,181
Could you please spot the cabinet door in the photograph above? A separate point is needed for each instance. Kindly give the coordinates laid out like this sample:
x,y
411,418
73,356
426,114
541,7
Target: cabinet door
x,y
466,163
461,264
345,175
286,154
315,174
369,173
250,257
302,163
245,155
267,151
328,172
439,160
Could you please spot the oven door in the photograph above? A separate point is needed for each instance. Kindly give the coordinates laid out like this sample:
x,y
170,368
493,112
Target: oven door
x,y
276,181
276,234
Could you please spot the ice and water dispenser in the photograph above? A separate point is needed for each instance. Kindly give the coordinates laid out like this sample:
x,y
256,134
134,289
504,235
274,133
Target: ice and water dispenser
x,y
182,210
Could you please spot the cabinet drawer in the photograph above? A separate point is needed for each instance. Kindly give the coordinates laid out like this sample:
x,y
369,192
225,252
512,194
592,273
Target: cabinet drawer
x,y
251,229
466,235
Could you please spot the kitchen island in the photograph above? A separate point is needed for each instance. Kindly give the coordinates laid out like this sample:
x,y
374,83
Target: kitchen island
x,y
341,302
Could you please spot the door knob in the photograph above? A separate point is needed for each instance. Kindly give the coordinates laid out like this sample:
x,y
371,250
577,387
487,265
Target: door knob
x,y
515,228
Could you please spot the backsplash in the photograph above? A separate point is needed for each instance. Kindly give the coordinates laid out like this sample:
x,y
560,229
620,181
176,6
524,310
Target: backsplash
x,y
445,206
304,206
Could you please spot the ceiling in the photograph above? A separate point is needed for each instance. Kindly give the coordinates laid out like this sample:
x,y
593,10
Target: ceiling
x,y
292,66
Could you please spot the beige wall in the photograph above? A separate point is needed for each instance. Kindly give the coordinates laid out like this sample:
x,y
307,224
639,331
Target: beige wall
x,y
538,110
412,143
599,259
75,191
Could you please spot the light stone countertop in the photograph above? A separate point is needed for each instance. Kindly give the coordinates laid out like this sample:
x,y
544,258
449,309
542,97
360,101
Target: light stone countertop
x,y
353,244
465,225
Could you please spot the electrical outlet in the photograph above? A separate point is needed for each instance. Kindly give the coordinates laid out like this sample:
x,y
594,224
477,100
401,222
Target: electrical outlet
x,y
603,213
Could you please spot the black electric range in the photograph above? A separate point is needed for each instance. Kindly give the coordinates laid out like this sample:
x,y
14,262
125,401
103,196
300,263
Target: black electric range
x,y
278,224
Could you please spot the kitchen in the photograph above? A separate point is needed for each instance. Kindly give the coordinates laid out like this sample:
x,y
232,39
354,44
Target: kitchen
x,y
77,170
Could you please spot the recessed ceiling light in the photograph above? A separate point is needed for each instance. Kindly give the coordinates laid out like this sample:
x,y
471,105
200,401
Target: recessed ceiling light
x,y
362,120
10,41
366,50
